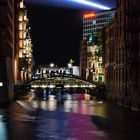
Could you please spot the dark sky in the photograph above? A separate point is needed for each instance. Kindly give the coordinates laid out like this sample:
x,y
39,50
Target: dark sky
x,y
56,33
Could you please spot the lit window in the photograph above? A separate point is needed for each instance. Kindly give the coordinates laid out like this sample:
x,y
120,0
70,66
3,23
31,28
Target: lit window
x,y
24,26
20,53
20,18
24,51
20,26
20,43
24,35
21,4
25,17
24,42
20,34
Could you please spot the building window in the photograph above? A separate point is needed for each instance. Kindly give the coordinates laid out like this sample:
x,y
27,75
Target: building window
x,y
20,18
20,34
20,53
20,43
20,26
21,5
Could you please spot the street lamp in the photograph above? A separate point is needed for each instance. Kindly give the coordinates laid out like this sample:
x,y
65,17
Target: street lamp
x,y
52,65
69,65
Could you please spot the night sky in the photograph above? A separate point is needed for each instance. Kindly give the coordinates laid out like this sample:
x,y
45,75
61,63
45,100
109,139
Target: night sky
x,y
56,30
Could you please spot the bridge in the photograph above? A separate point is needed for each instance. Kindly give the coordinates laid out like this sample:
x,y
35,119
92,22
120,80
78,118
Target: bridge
x,y
65,80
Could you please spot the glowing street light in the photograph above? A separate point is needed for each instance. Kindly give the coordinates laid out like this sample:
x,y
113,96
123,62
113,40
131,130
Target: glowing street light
x,y
51,65
69,65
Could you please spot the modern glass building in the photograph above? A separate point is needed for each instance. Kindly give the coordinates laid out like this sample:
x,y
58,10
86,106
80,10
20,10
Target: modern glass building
x,y
95,21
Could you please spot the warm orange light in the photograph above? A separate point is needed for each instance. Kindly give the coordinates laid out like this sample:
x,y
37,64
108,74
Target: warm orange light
x,y
89,15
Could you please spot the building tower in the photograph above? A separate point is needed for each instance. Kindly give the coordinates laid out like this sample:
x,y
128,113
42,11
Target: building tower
x,y
95,21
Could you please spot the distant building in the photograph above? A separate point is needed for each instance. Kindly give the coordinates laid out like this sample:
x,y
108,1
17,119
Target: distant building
x,y
95,70
52,70
121,55
95,21
88,19
91,67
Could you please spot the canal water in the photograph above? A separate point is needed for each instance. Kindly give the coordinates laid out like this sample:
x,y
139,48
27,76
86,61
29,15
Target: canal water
x,y
36,118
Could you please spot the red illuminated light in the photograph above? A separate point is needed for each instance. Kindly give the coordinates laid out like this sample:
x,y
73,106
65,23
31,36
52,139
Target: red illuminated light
x,y
89,15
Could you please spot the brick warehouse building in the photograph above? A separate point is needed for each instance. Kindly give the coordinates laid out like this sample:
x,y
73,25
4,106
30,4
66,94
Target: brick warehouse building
x,y
6,50
122,55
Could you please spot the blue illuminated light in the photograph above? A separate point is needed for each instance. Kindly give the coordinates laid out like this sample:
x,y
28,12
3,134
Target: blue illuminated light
x,y
92,4
84,4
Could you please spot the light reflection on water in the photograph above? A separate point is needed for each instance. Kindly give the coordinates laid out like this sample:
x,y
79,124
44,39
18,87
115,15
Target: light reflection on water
x,y
74,106
90,107
49,105
3,126
85,107
71,120
3,131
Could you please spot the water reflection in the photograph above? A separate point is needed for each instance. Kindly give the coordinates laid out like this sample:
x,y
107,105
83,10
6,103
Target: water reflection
x,y
39,119
49,105
3,131
3,126
75,106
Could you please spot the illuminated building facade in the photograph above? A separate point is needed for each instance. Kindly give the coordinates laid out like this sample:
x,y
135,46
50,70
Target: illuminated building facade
x,y
88,24
6,51
95,21
23,64
53,70
95,70
121,55
91,67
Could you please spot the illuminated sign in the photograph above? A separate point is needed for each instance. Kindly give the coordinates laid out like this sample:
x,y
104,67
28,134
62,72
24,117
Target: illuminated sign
x,y
89,15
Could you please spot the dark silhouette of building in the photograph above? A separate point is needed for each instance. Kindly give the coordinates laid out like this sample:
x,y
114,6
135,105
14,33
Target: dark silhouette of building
x,y
6,50
83,59
122,55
